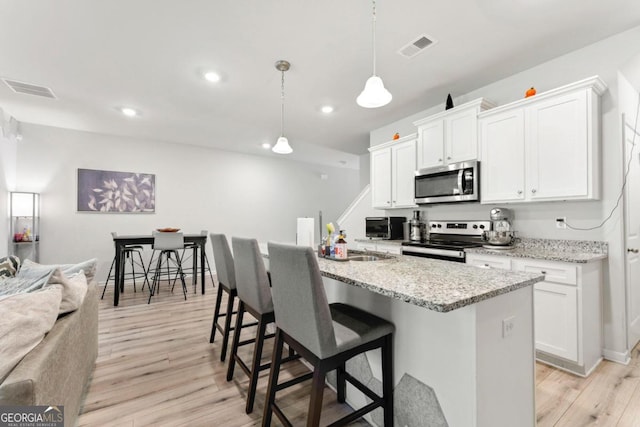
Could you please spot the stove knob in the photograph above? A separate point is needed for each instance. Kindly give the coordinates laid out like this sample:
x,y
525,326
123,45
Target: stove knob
x,y
475,226
439,225
433,226
482,227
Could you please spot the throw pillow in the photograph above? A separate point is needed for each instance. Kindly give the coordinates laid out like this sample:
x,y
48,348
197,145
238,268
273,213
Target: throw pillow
x,y
9,266
88,266
37,274
74,289
26,318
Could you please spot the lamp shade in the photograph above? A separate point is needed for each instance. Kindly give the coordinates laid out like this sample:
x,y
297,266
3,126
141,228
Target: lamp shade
x,y
282,146
374,94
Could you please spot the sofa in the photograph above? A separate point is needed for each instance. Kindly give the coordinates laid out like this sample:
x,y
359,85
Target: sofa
x,y
58,369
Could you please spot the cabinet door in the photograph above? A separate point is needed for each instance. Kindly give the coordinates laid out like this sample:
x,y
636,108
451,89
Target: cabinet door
x,y
501,169
558,148
461,137
381,178
556,319
403,166
431,144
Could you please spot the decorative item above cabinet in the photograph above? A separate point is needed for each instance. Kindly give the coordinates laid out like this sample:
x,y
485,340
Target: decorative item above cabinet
x,y
450,136
392,173
544,147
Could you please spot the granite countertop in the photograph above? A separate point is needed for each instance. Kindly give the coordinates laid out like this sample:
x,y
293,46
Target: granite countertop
x,y
434,284
577,251
380,241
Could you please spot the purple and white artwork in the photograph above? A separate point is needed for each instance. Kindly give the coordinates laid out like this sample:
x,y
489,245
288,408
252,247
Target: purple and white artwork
x,y
116,192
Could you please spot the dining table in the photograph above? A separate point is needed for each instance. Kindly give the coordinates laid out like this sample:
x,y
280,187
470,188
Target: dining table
x,y
120,241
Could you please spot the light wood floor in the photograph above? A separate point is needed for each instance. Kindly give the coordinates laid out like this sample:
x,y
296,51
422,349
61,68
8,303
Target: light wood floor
x,y
156,367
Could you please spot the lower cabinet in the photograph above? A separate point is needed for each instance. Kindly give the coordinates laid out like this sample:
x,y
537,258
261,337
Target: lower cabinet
x,y
377,246
567,309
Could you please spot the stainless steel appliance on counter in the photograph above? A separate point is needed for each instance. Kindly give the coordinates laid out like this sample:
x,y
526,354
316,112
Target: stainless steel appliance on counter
x,y
417,228
456,182
384,227
501,235
448,240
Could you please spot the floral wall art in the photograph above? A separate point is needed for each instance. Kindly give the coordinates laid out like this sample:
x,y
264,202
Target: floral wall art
x,y
116,192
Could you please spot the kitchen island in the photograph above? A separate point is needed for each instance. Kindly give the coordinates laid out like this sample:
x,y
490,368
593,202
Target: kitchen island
x,y
463,345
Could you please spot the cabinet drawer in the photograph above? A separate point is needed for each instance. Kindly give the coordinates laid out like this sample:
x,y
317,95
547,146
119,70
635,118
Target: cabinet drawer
x,y
489,261
554,272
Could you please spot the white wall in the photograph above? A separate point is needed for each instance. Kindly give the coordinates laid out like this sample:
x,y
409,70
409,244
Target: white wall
x,y
8,132
196,188
604,58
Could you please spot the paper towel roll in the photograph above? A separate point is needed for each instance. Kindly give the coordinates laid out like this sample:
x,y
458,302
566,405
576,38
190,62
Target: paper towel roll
x,y
304,234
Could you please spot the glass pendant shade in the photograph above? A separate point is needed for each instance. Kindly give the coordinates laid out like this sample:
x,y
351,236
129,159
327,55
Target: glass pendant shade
x,y
282,146
374,94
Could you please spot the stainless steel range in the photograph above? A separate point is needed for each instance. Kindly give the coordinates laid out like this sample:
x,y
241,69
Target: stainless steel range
x,y
448,240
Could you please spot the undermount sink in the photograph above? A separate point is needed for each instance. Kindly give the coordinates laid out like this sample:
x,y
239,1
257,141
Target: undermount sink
x,y
364,258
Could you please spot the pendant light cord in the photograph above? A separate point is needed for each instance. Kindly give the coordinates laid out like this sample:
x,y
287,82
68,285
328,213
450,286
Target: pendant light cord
x,y
282,110
373,29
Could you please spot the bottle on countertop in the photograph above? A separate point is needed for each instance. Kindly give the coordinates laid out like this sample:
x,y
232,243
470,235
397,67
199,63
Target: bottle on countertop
x,y
341,246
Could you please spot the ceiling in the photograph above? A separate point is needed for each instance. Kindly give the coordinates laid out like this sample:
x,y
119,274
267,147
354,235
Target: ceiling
x,y
98,56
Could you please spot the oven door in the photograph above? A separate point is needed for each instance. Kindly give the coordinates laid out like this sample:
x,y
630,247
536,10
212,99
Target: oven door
x,y
435,253
457,182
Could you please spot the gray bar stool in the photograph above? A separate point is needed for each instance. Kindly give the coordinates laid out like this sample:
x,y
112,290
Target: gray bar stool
x,y
254,292
168,245
325,335
226,274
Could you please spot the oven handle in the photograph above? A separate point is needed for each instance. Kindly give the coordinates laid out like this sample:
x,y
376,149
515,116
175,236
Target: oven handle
x,y
432,251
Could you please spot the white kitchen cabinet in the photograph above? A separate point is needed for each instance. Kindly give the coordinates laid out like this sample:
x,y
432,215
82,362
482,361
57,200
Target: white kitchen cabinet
x,y
450,136
543,148
567,309
392,173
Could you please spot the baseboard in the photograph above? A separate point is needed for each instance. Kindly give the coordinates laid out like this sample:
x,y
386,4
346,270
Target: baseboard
x,y
616,356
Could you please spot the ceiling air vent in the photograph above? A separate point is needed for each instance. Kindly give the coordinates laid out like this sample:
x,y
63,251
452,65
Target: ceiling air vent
x,y
415,47
29,89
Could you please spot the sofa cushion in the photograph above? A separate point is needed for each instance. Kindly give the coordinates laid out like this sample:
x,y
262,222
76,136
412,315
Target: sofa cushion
x,y
74,288
88,266
37,274
26,318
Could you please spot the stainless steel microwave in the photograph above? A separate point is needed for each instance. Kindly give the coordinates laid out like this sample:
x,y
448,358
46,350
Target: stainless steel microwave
x,y
456,182
385,227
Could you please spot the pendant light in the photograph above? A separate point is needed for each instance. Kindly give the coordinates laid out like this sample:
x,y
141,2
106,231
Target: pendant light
x,y
282,145
374,94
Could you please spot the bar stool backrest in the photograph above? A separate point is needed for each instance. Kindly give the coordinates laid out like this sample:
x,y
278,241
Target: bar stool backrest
x,y
223,260
299,300
167,241
252,280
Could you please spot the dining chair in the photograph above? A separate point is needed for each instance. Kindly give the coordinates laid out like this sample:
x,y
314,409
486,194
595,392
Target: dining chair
x,y
194,258
128,252
167,244
254,293
226,275
325,335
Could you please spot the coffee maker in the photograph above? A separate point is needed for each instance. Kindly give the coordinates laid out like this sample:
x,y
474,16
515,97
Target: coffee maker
x,y
417,228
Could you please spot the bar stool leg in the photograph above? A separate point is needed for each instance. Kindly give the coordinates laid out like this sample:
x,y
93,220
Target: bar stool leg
x,y
216,313
255,367
108,275
341,383
227,326
273,379
317,392
387,380
236,340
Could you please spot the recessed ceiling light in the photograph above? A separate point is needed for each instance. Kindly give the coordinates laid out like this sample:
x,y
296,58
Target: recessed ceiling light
x,y
327,109
128,111
266,145
212,76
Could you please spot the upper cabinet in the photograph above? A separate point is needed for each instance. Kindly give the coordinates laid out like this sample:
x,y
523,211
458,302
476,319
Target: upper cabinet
x,y
450,136
544,147
392,173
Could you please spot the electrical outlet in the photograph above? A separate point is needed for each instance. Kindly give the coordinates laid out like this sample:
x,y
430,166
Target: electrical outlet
x,y
508,325
561,222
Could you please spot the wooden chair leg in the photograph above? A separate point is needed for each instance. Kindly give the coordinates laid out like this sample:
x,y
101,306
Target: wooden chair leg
x,y
317,392
227,326
341,383
387,380
273,379
216,313
255,367
236,340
